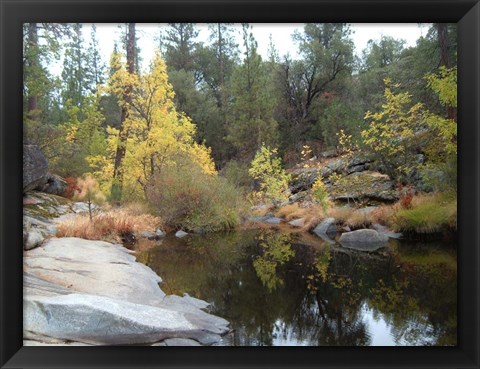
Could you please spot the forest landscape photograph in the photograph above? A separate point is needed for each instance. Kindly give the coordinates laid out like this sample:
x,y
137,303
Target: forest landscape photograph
x,y
244,184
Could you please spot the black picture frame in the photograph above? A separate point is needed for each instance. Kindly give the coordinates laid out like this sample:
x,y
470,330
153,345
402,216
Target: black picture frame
x,y
14,13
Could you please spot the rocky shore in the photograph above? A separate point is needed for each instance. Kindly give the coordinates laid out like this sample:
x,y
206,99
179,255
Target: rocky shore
x,y
84,292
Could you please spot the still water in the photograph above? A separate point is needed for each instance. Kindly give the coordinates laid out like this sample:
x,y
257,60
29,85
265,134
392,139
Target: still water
x,y
283,289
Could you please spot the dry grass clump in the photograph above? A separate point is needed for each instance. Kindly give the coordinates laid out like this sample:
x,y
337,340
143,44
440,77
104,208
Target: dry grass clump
x,y
358,220
341,214
384,214
311,215
114,225
351,217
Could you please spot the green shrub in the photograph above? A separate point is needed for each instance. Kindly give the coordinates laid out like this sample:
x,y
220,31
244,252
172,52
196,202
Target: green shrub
x,y
188,198
236,173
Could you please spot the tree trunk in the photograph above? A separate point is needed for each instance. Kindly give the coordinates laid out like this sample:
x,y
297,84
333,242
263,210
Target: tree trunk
x,y
117,187
33,63
442,37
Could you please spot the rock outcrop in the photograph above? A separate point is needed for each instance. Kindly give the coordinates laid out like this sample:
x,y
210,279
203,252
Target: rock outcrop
x,y
35,167
94,292
53,184
364,186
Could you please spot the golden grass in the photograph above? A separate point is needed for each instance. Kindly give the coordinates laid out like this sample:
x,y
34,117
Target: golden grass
x,y
311,215
341,214
112,225
358,220
384,213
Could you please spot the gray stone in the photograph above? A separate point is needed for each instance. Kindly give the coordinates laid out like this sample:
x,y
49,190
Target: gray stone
x,y
363,240
367,210
337,165
357,168
33,285
327,227
54,184
326,238
364,185
303,179
297,222
153,235
82,207
149,235
185,303
34,239
51,229
298,196
181,234
35,167
181,342
273,220
54,343
359,160
384,230
94,267
103,320
328,154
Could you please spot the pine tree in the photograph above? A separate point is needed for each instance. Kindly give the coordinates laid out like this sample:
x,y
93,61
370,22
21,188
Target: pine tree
x,y
74,79
179,43
94,67
252,122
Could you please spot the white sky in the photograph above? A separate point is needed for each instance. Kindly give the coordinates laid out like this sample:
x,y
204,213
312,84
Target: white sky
x,y
108,34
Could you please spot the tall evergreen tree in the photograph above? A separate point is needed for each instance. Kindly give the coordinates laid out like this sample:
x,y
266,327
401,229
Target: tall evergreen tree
x,y
179,46
94,67
74,87
42,43
251,121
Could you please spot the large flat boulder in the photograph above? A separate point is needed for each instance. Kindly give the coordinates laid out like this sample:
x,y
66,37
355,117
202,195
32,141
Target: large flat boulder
x,y
35,167
364,240
94,267
94,292
102,320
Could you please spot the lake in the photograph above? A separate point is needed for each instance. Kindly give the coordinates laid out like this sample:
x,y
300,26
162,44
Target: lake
x,y
279,288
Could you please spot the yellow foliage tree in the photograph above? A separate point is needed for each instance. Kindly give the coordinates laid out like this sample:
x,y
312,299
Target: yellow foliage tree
x,y
157,134
444,84
267,169
393,131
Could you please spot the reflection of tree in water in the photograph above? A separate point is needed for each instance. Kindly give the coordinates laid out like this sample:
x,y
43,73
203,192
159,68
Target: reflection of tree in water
x,y
419,303
336,312
275,290
276,251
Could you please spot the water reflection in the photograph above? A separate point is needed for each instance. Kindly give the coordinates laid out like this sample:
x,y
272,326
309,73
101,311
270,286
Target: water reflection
x,y
276,290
